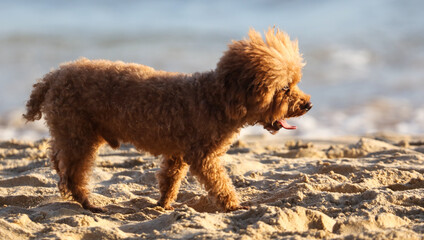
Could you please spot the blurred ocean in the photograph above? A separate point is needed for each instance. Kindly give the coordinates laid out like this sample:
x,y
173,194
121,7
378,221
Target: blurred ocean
x,y
365,59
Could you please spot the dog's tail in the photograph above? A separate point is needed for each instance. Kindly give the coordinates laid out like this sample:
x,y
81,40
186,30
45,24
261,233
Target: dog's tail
x,y
35,102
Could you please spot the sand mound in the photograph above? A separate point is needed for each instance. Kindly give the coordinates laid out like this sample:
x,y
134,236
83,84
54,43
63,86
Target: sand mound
x,y
370,189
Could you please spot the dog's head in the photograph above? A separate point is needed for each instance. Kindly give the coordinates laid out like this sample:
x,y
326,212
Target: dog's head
x,y
261,77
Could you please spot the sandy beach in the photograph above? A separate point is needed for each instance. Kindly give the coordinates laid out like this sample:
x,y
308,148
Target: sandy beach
x,y
348,187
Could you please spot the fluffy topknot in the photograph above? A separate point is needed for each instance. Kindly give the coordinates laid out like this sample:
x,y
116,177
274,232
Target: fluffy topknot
x,y
277,50
278,44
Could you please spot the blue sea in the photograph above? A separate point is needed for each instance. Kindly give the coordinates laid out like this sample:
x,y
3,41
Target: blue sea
x,y
365,59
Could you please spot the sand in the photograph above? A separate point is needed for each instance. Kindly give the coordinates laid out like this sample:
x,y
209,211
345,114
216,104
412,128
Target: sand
x,y
368,187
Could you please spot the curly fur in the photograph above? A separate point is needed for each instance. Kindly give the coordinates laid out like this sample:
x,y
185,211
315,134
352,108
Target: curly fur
x,y
189,119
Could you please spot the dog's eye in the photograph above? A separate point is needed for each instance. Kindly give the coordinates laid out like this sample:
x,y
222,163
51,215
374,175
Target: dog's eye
x,y
286,88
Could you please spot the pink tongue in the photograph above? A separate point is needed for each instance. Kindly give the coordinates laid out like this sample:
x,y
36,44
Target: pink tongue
x,y
286,125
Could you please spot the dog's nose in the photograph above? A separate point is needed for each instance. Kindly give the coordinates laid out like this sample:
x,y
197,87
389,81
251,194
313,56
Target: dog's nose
x,y
307,106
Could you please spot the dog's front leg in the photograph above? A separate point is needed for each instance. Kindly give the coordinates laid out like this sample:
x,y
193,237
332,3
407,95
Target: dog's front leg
x,y
216,181
173,170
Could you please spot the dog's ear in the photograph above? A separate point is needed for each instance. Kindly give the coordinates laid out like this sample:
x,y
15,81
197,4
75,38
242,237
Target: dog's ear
x,y
260,94
235,107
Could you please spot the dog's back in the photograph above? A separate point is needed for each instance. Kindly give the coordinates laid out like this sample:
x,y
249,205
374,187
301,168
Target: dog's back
x,y
120,102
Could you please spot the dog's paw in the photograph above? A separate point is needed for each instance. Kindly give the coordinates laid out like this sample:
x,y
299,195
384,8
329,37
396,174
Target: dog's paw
x,y
94,209
239,207
166,207
97,209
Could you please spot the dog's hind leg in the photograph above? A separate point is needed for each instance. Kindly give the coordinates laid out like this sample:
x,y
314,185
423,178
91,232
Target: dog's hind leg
x,y
55,161
173,170
216,181
73,158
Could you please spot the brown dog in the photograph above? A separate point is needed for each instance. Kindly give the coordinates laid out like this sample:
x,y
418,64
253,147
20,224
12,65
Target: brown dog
x,y
189,119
